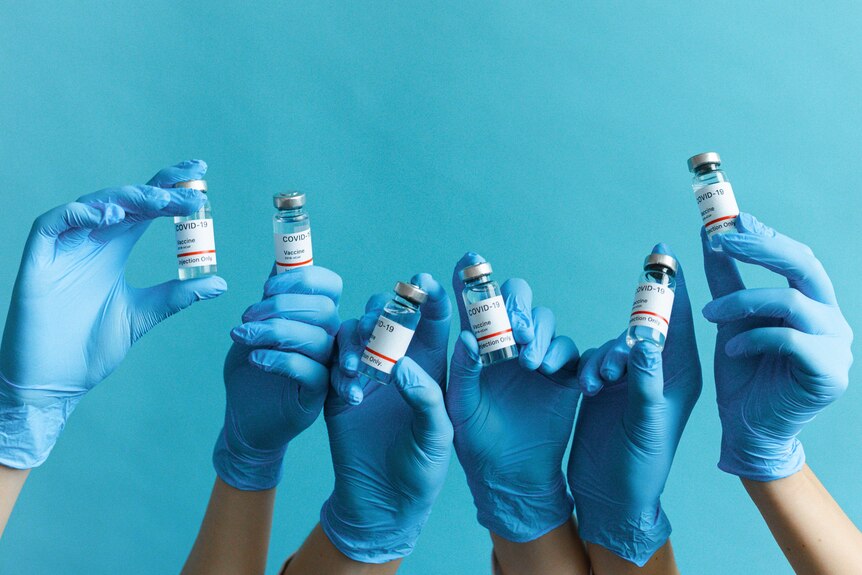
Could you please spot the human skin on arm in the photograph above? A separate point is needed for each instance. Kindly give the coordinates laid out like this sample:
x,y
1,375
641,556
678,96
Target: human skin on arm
x,y
607,562
11,482
318,555
558,552
812,530
234,535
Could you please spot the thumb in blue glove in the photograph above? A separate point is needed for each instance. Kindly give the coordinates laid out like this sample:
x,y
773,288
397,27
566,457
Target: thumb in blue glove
x,y
73,317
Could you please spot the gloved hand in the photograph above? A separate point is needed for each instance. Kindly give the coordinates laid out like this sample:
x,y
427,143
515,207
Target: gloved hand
x,y
513,419
276,374
628,431
73,317
390,452
781,355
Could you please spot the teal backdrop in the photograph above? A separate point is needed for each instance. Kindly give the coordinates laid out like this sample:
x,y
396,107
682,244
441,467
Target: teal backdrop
x,y
550,137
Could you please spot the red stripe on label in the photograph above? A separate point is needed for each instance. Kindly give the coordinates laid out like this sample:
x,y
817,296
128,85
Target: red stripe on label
x,y
494,334
650,313
380,355
195,253
306,262
707,224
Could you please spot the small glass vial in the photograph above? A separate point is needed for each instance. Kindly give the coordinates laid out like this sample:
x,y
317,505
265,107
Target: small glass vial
x,y
650,317
714,194
291,232
487,314
196,251
392,334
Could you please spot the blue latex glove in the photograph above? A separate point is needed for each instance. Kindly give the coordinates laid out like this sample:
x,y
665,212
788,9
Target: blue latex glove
x,y
513,419
781,355
390,452
628,431
73,317
276,374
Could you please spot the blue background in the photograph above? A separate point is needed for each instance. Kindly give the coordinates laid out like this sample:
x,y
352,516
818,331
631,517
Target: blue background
x,y
548,137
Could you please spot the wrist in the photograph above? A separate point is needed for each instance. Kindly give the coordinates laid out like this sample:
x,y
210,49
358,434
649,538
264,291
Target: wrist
x,y
30,428
632,533
520,515
361,538
760,459
246,468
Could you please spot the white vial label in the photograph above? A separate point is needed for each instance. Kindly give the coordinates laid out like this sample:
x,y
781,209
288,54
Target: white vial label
x,y
293,250
717,206
195,243
388,343
652,306
490,324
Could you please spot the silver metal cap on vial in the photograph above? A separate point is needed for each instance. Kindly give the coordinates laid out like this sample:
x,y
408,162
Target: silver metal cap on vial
x,y
475,271
705,158
662,260
200,185
411,292
288,200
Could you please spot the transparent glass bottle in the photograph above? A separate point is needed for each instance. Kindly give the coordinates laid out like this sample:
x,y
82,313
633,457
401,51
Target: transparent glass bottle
x,y
392,333
196,252
714,195
291,232
653,301
487,314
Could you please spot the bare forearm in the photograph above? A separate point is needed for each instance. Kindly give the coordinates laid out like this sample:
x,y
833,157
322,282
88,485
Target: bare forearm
x,y
605,562
558,552
234,536
319,556
814,533
11,482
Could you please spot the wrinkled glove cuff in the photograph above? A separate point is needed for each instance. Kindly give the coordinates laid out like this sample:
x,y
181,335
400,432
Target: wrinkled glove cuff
x,y
246,469
633,536
370,543
518,516
777,462
29,430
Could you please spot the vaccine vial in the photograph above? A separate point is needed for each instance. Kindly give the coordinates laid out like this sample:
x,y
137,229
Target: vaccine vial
x,y
714,194
196,251
392,333
486,312
653,301
291,232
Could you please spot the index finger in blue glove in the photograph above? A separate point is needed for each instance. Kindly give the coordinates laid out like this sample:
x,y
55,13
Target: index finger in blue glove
x,y
561,362
615,362
437,307
75,215
311,377
431,428
313,309
645,393
466,260
286,335
722,275
307,280
589,368
465,390
139,202
344,381
519,302
544,328
786,304
185,171
759,244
